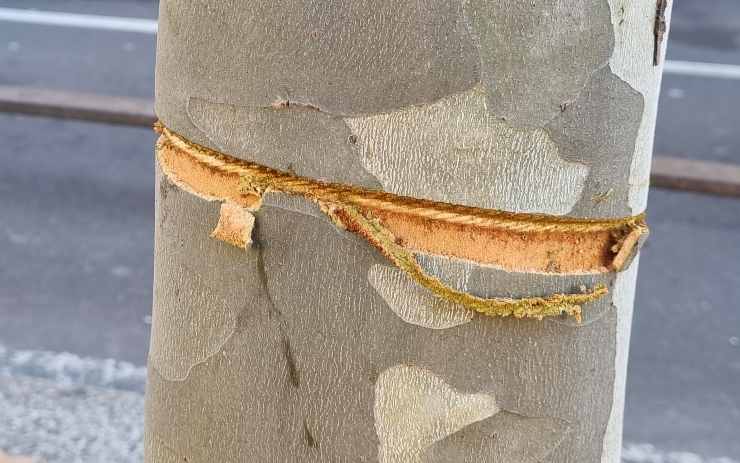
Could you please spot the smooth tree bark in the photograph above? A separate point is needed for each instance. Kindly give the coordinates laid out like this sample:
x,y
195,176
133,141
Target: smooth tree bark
x,y
307,345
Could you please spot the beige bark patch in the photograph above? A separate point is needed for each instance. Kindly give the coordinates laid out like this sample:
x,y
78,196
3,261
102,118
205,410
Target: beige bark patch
x,y
198,323
505,437
632,61
455,151
415,408
191,318
288,136
537,56
413,303
235,225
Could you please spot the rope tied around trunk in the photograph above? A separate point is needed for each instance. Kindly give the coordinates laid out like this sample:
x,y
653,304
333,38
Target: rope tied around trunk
x,y
350,207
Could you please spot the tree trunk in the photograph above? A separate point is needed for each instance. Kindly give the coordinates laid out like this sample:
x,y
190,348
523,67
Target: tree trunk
x,y
280,334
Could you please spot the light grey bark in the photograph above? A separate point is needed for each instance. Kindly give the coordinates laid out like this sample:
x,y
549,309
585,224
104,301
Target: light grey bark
x,y
308,346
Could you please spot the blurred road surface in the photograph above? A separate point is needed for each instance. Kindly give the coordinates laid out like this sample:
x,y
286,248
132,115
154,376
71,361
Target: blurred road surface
x,y
76,221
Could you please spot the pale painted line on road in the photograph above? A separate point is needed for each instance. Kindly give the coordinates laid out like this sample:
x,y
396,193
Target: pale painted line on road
x,y
149,26
695,69
648,453
85,21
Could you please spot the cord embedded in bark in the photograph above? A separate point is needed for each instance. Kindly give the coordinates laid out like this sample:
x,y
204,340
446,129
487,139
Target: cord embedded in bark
x,y
529,307
572,245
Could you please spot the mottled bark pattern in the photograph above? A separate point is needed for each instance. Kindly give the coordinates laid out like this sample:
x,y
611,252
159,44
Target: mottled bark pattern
x,y
306,345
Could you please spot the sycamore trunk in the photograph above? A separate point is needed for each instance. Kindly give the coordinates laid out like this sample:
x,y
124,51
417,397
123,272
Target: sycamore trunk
x,y
279,337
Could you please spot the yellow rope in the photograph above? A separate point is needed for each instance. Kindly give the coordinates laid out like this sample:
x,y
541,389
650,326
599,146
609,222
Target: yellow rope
x,y
530,307
347,201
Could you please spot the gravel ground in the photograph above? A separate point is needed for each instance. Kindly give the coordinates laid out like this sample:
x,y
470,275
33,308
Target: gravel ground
x,y
70,423
62,408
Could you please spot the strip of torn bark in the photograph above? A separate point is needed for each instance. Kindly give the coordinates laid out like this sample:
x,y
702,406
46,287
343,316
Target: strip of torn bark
x,y
235,224
529,243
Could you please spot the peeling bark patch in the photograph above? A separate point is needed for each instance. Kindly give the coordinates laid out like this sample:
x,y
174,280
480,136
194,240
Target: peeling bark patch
x,y
177,349
415,408
197,318
504,437
601,135
287,136
454,151
536,55
412,303
632,61
234,226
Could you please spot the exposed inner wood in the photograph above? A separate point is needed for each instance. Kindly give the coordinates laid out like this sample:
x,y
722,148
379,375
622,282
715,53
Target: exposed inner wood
x,y
202,180
554,252
545,252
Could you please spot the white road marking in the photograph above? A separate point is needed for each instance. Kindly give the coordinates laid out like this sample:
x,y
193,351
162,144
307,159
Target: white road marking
x,y
149,26
85,21
695,69
647,453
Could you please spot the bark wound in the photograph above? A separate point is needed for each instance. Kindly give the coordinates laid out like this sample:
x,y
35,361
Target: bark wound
x,y
506,437
203,181
546,251
414,408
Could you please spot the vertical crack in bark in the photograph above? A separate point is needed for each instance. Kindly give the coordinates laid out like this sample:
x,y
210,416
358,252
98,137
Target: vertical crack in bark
x,y
290,362
293,375
308,436
272,307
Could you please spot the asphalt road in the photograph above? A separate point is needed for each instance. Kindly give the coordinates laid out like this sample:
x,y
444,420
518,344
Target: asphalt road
x,y
76,221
